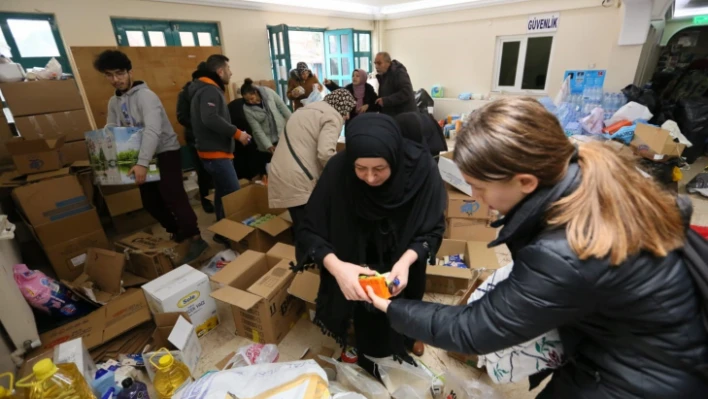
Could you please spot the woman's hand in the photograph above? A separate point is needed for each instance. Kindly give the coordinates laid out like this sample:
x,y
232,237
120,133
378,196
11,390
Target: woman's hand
x,y
363,109
327,82
378,302
347,276
400,271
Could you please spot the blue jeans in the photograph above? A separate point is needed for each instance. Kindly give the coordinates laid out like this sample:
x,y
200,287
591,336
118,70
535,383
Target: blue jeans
x,y
225,181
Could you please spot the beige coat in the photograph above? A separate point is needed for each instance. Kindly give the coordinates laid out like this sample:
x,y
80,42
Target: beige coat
x,y
313,131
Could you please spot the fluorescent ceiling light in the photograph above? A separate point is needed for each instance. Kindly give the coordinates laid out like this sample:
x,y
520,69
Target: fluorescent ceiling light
x,y
331,5
425,5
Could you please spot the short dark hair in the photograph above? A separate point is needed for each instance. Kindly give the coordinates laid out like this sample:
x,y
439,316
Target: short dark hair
x,y
386,56
248,87
112,59
216,61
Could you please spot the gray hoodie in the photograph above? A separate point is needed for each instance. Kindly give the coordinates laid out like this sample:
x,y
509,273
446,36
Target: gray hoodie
x,y
140,107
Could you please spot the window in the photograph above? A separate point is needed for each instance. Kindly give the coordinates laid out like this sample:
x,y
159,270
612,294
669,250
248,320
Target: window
x,y
362,50
150,33
522,63
31,40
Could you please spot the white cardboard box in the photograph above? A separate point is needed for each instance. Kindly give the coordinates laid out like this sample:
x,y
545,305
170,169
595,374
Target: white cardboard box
x,y
182,342
75,352
451,174
184,289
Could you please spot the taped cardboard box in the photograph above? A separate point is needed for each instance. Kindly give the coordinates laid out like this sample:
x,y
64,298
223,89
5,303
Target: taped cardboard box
x,y
149,256
460,205
42,97
36,156
52,199
453,280
101,278
72,124
255,285
184,289
469,230
243,204
175,332
123,313
452,175
655,143
75,151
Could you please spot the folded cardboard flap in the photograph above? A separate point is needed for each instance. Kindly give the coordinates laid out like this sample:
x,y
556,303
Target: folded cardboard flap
x,y
234,231
243,271
176,333
105,268
305,286
252,200
164,323
273,281
122,202
274,226
21,146
286,216
48,175
451,174
283,251
233,296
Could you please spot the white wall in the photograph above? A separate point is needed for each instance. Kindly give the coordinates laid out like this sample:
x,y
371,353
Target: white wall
x,y
244,39
457,50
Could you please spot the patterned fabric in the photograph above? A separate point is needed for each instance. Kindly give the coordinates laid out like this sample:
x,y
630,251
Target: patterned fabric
x,y
521,361
341,100
302,67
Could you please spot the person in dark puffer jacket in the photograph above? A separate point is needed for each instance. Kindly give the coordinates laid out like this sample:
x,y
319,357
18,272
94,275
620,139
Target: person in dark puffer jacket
x,y
597,255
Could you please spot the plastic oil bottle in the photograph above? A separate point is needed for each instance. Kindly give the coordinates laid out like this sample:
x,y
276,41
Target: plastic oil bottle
x,y
60,381
8,393
171,375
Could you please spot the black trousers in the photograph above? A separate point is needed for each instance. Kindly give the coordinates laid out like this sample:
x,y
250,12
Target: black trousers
x,y
203,177
297,214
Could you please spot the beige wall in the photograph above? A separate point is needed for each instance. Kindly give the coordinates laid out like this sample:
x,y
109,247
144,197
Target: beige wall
x,y
457,50
87,23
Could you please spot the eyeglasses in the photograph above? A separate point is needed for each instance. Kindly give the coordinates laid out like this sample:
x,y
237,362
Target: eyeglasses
x,y
115,75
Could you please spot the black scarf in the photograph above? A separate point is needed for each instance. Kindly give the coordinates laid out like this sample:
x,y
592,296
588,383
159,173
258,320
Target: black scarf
x,y
345,215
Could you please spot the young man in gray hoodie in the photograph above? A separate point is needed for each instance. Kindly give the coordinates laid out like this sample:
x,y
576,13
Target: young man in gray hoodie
x,y
135,105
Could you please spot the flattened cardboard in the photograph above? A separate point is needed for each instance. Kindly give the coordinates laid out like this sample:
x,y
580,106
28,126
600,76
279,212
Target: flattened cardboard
x,y
655,143
462,206
232,230
72,124
150,256
100,281
51,200
35,156
469,230
42,97
451,174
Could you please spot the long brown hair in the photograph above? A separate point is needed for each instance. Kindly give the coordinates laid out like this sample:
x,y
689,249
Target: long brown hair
x,y
614,212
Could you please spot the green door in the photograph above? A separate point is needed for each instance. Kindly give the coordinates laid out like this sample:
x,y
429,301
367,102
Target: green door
x,y
339,55
280,58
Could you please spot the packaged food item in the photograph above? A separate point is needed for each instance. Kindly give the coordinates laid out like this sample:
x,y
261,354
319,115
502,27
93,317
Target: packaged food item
x,y
380,283
50,381
171,375
46,294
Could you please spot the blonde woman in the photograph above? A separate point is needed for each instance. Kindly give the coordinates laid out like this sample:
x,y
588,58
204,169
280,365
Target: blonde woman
x,y
596,251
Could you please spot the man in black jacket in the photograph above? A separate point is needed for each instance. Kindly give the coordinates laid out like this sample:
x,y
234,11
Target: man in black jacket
x,y
395,89
183,117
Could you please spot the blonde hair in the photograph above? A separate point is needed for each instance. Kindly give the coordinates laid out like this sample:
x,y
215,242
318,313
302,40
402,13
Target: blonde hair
x,y
615,212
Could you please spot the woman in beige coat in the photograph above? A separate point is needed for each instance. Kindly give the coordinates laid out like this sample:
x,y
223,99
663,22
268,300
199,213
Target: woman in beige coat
x,y
308,142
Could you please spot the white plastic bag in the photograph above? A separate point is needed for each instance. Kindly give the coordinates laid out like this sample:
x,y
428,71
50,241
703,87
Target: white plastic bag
x,y
403,380
630,112
296,380
253,354
563,93
51,71
594,122
218,262
356,379
314,97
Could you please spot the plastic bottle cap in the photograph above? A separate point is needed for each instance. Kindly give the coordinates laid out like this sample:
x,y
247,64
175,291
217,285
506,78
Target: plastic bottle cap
x,y
166,360
44,369
127,383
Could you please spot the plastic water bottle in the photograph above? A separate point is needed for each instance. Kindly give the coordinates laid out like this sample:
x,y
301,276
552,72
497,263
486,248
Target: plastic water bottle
x,y
50,381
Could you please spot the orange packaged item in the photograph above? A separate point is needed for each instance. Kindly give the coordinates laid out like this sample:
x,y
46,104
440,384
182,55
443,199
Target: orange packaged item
x,y
377,283
617,126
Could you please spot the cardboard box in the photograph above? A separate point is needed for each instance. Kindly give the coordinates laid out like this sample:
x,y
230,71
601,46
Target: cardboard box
x,y
35,156
51,200
113,152
469,230
241,205
65,229
118,316
452,175
68,258
655,143
184,289
75,352
75,151
72,124
121,199
255,285
463,206
132,222
42,97
100,282
149,256
452,280
175,332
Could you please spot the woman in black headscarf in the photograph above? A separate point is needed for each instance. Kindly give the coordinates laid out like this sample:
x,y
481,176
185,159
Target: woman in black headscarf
x,y
423,129
379,203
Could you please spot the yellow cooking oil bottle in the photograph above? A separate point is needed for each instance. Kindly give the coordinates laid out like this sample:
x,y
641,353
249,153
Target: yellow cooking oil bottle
x,y
171,375
8,393
55,381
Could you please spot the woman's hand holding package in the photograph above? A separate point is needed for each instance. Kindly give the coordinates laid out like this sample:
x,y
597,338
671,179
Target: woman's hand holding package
x,y
347,276
378,302
400,271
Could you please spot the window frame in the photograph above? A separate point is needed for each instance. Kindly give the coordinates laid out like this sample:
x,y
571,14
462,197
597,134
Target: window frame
x,y
358,54
520,63
170,28
37,61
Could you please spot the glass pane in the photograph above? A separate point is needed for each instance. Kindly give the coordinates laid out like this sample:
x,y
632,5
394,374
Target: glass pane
x,y
204,39
34,38
356,42
187,39
345,43
346,82
333,44
281,42
346,68
364,63
157,39
283,70
334,66
307,47
538,55
364,42
4,47
274,44
509,61
135,38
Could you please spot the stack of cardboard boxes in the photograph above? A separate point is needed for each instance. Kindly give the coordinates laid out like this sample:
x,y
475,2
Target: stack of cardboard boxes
x,y
50,118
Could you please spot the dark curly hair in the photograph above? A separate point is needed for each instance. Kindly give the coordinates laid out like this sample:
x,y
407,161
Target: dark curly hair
x,y
112,59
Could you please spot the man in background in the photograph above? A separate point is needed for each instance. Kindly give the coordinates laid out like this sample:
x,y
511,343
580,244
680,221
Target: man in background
x,y
135,105
395,89
213,132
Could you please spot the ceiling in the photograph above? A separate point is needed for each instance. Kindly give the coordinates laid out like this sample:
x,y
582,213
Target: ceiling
x,y
689,8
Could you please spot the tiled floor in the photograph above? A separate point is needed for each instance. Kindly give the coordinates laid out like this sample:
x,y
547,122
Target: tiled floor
x,y
220,342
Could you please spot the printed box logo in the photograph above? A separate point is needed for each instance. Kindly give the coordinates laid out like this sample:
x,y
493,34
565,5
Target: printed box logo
x,y
188,299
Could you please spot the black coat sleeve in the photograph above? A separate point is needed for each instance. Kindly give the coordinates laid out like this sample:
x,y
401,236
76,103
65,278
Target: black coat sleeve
x,y
403,90
370,98
543,291
332,86
184,108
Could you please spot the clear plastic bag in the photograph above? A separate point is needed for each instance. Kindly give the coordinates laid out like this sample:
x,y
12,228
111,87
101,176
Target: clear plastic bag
x,y
355,379
218,262
403,380
315,96
253,354
594,123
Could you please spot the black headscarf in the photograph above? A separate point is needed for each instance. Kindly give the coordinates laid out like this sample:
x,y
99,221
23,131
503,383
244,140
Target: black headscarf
x,y
347,217
423,129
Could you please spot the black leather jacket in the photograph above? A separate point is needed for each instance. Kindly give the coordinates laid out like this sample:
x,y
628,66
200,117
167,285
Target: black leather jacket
x,y
549,287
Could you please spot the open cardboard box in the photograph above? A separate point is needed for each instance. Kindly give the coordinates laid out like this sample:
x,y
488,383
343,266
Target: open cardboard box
x,y
35,156
241,205
175,332
255,285
470,230
460,205
452,175
150,256
101,280
453,280
655,143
